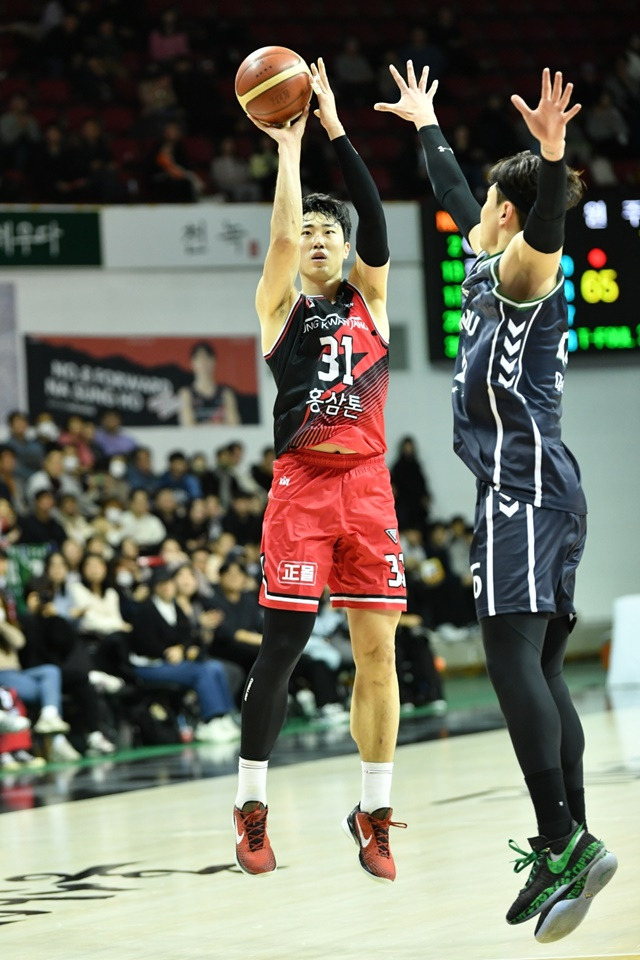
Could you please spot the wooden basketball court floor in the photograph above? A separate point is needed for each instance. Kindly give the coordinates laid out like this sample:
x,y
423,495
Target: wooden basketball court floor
x,y
150,874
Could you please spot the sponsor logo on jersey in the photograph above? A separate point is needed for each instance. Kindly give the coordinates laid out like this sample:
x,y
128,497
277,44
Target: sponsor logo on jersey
x,y
297,571
333,320
284,481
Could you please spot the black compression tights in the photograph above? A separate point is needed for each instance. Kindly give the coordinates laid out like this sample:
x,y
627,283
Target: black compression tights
x,y
524,655
264,701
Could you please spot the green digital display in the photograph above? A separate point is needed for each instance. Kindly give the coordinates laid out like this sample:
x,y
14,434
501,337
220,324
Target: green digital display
x,y
601,261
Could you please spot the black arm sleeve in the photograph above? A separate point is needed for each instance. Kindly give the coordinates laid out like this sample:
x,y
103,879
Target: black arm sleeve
x,y
544,227
448,181
371,234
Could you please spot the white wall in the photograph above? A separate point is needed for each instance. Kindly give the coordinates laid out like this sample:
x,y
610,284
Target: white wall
x,y
602,406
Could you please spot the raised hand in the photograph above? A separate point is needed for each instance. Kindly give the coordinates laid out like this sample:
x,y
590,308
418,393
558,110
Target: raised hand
x,y
416,102
288,133
548,122
326,112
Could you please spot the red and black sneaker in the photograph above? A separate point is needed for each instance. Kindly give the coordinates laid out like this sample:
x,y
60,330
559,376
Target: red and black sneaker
x,y
253,850
371,836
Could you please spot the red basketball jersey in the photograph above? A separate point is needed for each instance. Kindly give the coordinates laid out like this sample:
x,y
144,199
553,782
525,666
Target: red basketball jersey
x,y
331,368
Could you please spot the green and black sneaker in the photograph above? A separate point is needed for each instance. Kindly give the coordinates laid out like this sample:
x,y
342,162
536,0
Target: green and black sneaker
x,y
555,866
568,912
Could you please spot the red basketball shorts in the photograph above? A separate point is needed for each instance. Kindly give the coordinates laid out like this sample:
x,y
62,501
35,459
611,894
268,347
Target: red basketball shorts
x,y
331,520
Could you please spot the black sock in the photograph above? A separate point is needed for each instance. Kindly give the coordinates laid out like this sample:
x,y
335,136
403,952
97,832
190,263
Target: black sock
x,y
550,803
577,806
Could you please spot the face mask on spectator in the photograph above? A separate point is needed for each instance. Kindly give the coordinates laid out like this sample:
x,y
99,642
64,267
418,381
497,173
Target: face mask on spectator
x,y
117,468
47,430
70,463
124,578
113,514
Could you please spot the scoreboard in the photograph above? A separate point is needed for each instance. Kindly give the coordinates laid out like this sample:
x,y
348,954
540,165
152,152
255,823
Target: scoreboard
x,y
601,264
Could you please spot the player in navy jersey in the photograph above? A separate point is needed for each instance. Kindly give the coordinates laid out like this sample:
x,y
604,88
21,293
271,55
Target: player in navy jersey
x,y
330,516
530,520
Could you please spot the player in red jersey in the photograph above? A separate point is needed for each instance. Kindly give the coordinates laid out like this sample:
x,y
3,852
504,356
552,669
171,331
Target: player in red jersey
x,y
330,517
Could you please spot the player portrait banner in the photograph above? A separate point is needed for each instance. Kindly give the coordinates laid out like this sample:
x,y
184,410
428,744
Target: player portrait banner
x,y
150,381
52,239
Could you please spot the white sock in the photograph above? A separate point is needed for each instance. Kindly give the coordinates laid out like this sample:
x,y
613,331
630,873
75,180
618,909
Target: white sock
x,y
252,781
50,711
376,786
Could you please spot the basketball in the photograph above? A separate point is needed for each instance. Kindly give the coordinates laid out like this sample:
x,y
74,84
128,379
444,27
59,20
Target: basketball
x,y
273,85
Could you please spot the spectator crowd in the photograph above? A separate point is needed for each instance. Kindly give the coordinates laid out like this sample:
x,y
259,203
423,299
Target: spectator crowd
x,y
107,101
124,586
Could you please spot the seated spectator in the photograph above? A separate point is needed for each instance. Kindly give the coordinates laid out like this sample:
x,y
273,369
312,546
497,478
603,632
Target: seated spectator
x,y
200,562
140,473
263,166
140,524
353,74
222,550
230,175
172,515
52,169
9,529
185,485
53,477
29,451
424,54
202,616
11,484
67,513
38,525
130,579
73,552
158,101
52,639
40,687
196,529
96,166
171,179
161,651
109,437
93,83
100,621
19,131
168,40
62,47
172,554
108,522
262,472
239,635
607,128
244,519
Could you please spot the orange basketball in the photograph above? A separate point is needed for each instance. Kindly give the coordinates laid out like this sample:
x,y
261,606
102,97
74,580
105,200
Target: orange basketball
x,y
273,85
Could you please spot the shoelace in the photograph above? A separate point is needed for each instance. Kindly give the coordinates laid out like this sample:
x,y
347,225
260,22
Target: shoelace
x,y
381,832
524,861
255,825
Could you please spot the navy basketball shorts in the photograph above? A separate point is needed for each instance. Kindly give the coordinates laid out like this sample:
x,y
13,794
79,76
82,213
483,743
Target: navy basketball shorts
x,y
331,520
524,558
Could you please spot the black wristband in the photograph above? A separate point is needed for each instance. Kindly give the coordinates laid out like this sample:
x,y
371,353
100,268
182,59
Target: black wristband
x,y
371,233
544,227
449,184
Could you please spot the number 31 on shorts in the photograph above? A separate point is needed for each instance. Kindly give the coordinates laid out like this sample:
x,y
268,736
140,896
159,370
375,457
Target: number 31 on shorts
x,y
397,578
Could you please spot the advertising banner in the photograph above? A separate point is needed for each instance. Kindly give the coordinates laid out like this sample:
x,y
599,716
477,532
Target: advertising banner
x,y
150,381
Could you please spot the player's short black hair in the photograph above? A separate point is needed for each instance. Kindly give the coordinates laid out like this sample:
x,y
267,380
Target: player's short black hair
x,y
516,179
330,208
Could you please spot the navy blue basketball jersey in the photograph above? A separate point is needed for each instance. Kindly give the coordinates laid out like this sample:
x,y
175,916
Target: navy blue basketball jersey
x,y
331,368
507,391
